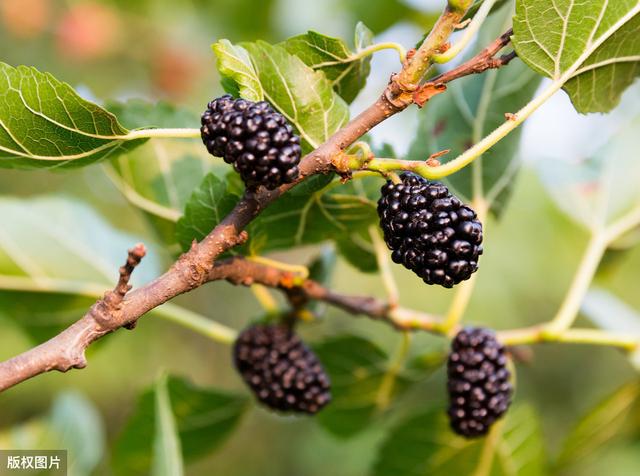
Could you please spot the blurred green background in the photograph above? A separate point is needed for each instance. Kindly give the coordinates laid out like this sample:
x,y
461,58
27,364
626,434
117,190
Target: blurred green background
x,y
160,50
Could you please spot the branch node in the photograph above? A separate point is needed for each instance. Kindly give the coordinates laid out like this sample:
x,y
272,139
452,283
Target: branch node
x,y
110,305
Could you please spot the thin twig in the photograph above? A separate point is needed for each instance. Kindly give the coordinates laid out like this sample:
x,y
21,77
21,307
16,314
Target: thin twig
x,y
478,64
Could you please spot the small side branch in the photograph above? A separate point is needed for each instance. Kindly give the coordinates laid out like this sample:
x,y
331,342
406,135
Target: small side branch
x,y
67,350
240,271
478,64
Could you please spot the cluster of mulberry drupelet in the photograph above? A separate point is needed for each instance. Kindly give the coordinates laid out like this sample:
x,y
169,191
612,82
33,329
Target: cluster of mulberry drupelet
x,y
429,230
282,372
254,138
478,382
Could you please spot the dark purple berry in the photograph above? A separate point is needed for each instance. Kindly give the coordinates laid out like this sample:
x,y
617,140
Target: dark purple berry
x,y
282,372
430,231
254,138
478,382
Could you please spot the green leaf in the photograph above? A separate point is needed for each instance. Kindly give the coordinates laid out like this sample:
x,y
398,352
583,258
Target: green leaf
x,y
471,108
305,97
73,423
294,220
591,47
56,258
321,270
204,418
234,64
167,453
347,73
160,176
607,420
357,370
597,190
307,214
45,123
358,250
208,205
423,444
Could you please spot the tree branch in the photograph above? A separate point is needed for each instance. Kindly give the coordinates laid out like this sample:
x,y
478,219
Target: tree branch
x,y
240,271
194,267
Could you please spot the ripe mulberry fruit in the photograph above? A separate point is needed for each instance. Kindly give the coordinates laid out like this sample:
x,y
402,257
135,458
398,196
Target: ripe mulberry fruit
x,y
254,138
479,387
429,230
282,372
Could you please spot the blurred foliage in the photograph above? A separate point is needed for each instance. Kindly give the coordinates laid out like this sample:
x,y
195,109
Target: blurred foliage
x,y
64,234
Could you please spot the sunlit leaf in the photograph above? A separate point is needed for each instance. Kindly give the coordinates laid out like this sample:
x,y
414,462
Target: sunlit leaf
x,y
347,74
304,96
234,64
45,123
592,47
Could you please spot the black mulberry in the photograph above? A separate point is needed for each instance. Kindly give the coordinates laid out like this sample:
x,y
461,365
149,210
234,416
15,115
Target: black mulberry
x,y
479,387
282,372
429,230
254,138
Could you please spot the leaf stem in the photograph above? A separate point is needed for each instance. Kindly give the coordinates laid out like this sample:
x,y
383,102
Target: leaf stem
x,y
138,200
183,133
382,257
487,454
579,286
388,45
468,34
537,334
196,322
384,166
385,391
298,269
623,225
